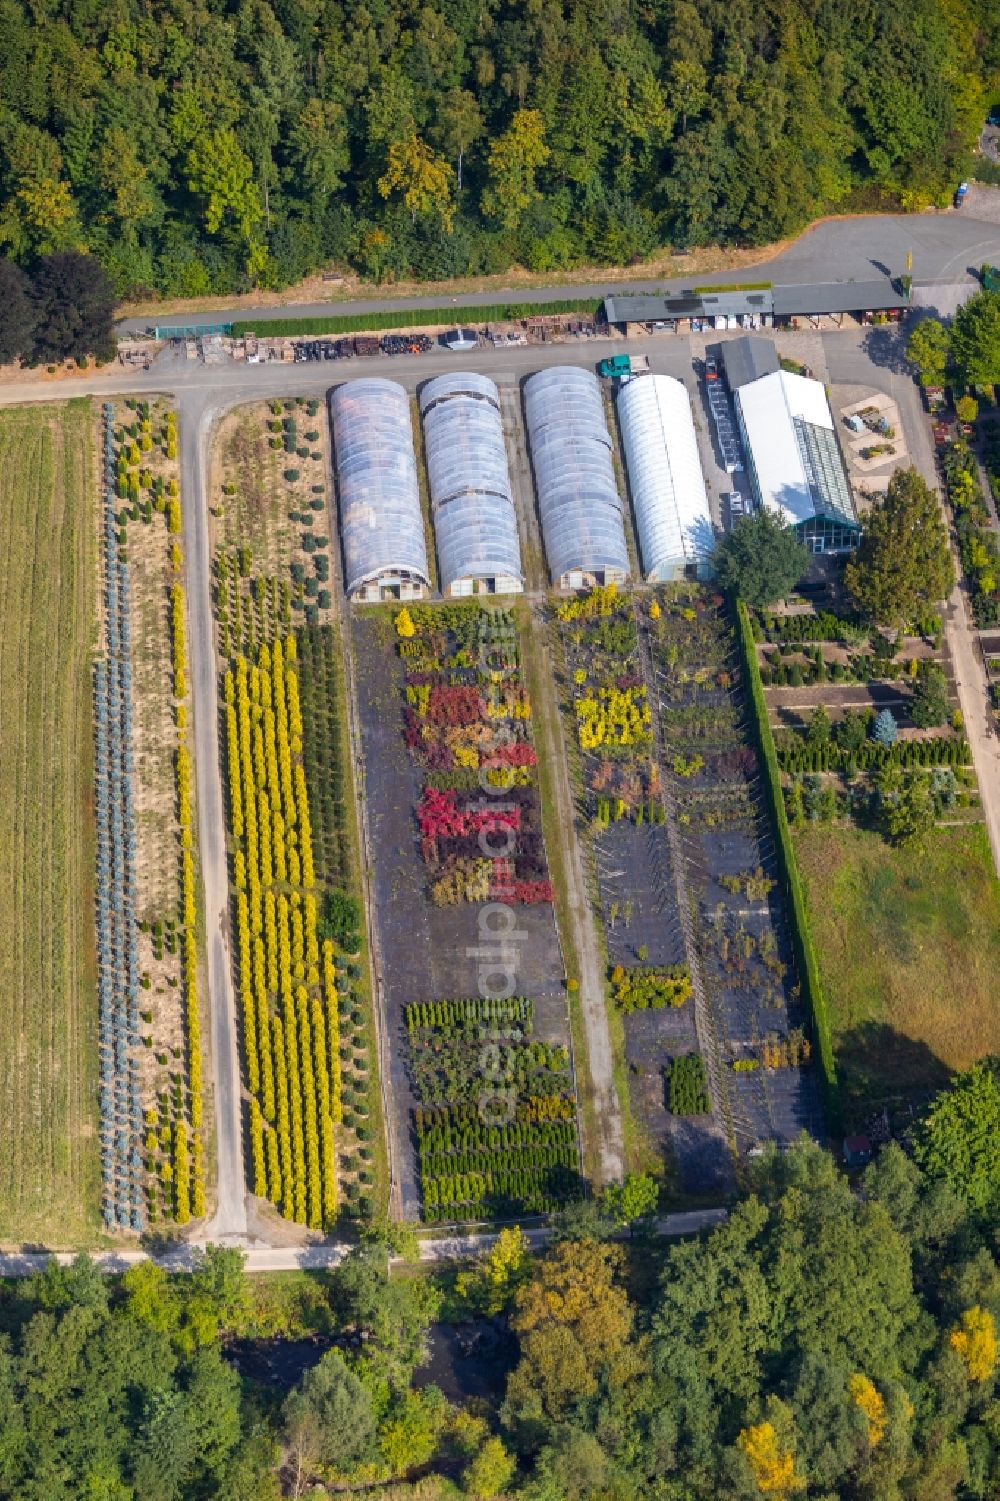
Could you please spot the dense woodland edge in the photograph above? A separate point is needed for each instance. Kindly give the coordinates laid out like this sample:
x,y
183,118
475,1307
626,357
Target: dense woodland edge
x,y
199,147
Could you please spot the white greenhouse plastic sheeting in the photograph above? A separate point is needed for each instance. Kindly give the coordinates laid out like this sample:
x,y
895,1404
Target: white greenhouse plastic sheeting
x,y
473,508
380,515
668,488
578,501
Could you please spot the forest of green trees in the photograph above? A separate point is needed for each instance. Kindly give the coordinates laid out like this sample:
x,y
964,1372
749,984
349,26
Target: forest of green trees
x,y
204,146
832,1341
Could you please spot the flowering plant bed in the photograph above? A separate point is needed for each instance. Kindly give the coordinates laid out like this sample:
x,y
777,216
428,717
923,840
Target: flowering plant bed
x,y
496,1120
467,726
641,989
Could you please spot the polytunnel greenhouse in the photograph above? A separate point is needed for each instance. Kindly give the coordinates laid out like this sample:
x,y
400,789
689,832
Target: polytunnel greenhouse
x,y
664,471
474,518
578,501
381,523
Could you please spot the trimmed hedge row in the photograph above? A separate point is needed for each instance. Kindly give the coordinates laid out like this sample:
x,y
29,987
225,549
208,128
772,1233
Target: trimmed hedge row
x,y
805,954
360,323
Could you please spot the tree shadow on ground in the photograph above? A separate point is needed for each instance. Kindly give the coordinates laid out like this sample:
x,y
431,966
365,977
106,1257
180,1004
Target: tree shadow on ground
x,y
880,1067
885,346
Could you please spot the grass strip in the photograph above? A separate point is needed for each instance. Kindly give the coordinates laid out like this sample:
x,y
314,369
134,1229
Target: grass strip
x,y
360,323
805,953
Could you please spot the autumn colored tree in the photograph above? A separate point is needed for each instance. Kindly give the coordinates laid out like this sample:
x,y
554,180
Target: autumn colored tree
x,y
424,179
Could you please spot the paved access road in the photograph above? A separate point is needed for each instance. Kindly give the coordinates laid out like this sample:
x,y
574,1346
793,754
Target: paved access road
x,y
944,247
320,1257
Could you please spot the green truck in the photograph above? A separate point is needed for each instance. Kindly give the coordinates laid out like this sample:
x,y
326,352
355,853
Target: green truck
x,y
991,278
621,366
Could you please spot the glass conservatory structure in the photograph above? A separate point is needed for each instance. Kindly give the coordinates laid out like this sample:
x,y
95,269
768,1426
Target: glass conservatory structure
x,y
381,523
475,523
795,464
581,511
676,536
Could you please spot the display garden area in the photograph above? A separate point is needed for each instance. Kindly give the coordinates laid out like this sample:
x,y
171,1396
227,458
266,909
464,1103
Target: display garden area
x,y
756,1046
496,1119
314,1122
865,723
462,894
49,1165
619,791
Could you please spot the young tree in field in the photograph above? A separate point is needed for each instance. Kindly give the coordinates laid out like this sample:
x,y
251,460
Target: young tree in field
x,y
883,728
761,560
957,1140
927,348
903,565
967,408
17,313
906,808
975,340
74,307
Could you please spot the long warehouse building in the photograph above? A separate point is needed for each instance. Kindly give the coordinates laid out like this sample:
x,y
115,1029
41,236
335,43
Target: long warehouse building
x,y
381,522
475,524
581,511
672,515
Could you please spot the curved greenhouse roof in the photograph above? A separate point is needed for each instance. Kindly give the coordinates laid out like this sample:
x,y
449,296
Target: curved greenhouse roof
x,y
665,476
474,518
578,501
380,516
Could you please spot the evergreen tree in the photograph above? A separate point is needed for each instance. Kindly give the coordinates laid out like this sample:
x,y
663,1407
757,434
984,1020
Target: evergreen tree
x,y
761,560
903,565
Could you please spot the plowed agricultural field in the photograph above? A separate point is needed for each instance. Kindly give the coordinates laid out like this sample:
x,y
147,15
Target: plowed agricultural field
x,y
49,1167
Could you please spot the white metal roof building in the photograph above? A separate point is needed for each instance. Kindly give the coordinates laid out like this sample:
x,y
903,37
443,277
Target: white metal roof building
x,y
381,522
581,511
795,464
672,516
475,523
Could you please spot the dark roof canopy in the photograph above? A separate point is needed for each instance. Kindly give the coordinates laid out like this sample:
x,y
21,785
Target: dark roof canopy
x,y
837,297
748,359
810,299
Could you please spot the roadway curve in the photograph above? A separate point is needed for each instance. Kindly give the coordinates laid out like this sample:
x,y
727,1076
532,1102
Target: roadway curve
x,y
943,245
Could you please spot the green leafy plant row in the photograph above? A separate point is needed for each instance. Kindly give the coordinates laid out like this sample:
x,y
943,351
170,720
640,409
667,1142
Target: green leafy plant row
x,y
805,953
359,323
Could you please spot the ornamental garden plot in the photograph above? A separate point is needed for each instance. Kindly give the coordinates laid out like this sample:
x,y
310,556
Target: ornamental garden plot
x,y
495,1121
462,893
619,789
760,1060
865,725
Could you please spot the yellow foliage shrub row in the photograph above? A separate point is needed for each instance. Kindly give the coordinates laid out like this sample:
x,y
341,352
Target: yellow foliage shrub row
x,y
290,1013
